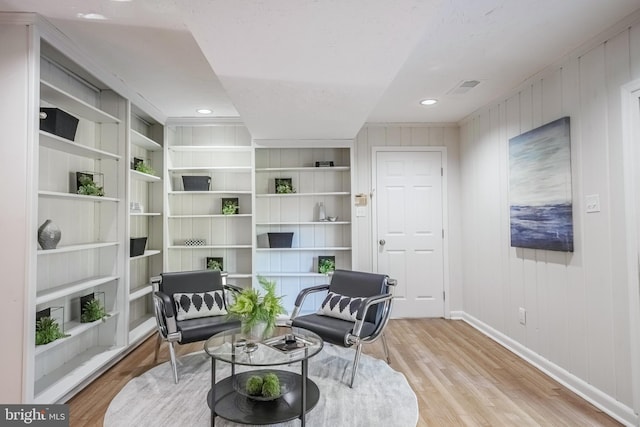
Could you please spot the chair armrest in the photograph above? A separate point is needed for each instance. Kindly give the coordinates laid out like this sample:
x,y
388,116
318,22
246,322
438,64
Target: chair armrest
x,y
302,295
168,309
233,288
364,307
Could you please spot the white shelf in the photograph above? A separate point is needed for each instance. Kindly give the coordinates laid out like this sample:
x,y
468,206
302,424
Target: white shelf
x,y
140,292
142,328
306,169
211,247
73,329
54,142
147,253
209,216
211,192
73,105
75,248
61,291
56,384
145,214
79,197
319,248
263,224
240,275
144,176
323,193
144,142
291,274
196,148
211,168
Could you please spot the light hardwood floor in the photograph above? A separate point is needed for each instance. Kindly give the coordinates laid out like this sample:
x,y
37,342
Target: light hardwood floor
x,y
460,377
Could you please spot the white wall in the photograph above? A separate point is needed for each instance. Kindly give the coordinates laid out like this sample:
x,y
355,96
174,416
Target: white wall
x,y
577,303
16,216
381,135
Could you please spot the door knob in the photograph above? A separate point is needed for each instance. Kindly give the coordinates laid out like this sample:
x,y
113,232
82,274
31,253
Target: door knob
x,y
382,242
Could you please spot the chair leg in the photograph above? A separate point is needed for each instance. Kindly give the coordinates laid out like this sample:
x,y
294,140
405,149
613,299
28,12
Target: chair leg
x,y
386,348
356,361
172,351
158,342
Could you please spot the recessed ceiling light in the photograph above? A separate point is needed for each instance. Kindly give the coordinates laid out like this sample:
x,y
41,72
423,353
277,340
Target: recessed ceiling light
x,y
93,16
204,111
429,101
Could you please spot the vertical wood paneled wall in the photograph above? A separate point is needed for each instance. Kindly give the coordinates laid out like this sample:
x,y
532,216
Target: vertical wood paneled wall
x,y
577,303
403,135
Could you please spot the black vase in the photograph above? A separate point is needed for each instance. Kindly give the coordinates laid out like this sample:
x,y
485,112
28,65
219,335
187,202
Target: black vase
x,y
48,235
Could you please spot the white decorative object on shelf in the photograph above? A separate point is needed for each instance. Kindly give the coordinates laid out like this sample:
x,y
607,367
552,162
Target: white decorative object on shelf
x,y
136,207
195,242
322,216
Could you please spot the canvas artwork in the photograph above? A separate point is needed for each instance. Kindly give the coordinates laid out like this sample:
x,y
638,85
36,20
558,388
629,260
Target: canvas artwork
x,y
540,188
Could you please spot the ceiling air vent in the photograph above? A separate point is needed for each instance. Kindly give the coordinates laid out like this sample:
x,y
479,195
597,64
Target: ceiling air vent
x,y
463,87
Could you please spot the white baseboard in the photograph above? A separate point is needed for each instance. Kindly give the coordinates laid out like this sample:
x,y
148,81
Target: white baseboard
x,y
596,397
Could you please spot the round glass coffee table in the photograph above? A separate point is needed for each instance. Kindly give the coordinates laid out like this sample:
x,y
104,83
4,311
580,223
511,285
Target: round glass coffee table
x,y
235,398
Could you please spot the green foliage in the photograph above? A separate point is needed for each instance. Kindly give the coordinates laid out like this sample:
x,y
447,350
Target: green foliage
x,y
229,208
326,266
271,385
254,385
47,330
253,307
93,311
214,265
88,187
284,188
145,168
265,386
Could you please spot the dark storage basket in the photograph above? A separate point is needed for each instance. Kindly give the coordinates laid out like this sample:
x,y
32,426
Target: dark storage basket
x,y
137,245
58,123
280,240
196,183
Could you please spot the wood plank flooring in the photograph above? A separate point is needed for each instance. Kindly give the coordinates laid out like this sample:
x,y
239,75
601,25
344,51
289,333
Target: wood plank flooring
x,y
461,378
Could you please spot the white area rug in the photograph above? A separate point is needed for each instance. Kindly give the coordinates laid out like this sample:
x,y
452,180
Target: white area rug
x,y
380,396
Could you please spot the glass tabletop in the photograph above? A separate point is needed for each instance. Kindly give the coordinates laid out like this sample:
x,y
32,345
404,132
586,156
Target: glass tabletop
x,y
287,345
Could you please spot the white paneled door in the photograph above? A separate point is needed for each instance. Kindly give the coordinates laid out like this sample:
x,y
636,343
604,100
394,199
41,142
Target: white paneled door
x,y
409,229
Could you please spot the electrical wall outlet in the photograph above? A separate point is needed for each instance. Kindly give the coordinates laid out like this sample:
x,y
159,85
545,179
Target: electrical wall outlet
x,y
522,316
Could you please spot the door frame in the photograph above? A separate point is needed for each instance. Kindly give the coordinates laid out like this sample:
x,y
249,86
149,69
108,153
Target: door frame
x,y
445,215
630,94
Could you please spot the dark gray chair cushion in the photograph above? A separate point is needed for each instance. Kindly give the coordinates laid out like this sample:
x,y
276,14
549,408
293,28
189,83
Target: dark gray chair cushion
x,y
201,329
330,329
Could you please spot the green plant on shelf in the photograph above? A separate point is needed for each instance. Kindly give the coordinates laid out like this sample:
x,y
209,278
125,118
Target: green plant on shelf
x,y
48,330
285,188
88,187
145,168
267,386
214,264
229,208
327,266
92,311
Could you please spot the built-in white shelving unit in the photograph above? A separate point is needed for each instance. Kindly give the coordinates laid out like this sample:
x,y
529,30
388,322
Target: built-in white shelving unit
x,y
146,192
296,267
222,152
90,257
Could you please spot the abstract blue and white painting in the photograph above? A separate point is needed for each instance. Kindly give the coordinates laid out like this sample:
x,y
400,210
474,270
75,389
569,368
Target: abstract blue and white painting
x,y
540,188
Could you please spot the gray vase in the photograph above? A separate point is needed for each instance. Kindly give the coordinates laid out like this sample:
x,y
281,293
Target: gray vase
x,y
49,235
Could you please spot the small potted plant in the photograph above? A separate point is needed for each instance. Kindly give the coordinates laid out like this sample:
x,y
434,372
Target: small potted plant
x,y
88,187
143,167
93,310
326,264
47,330
230,206
214,263
284,186
258,312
